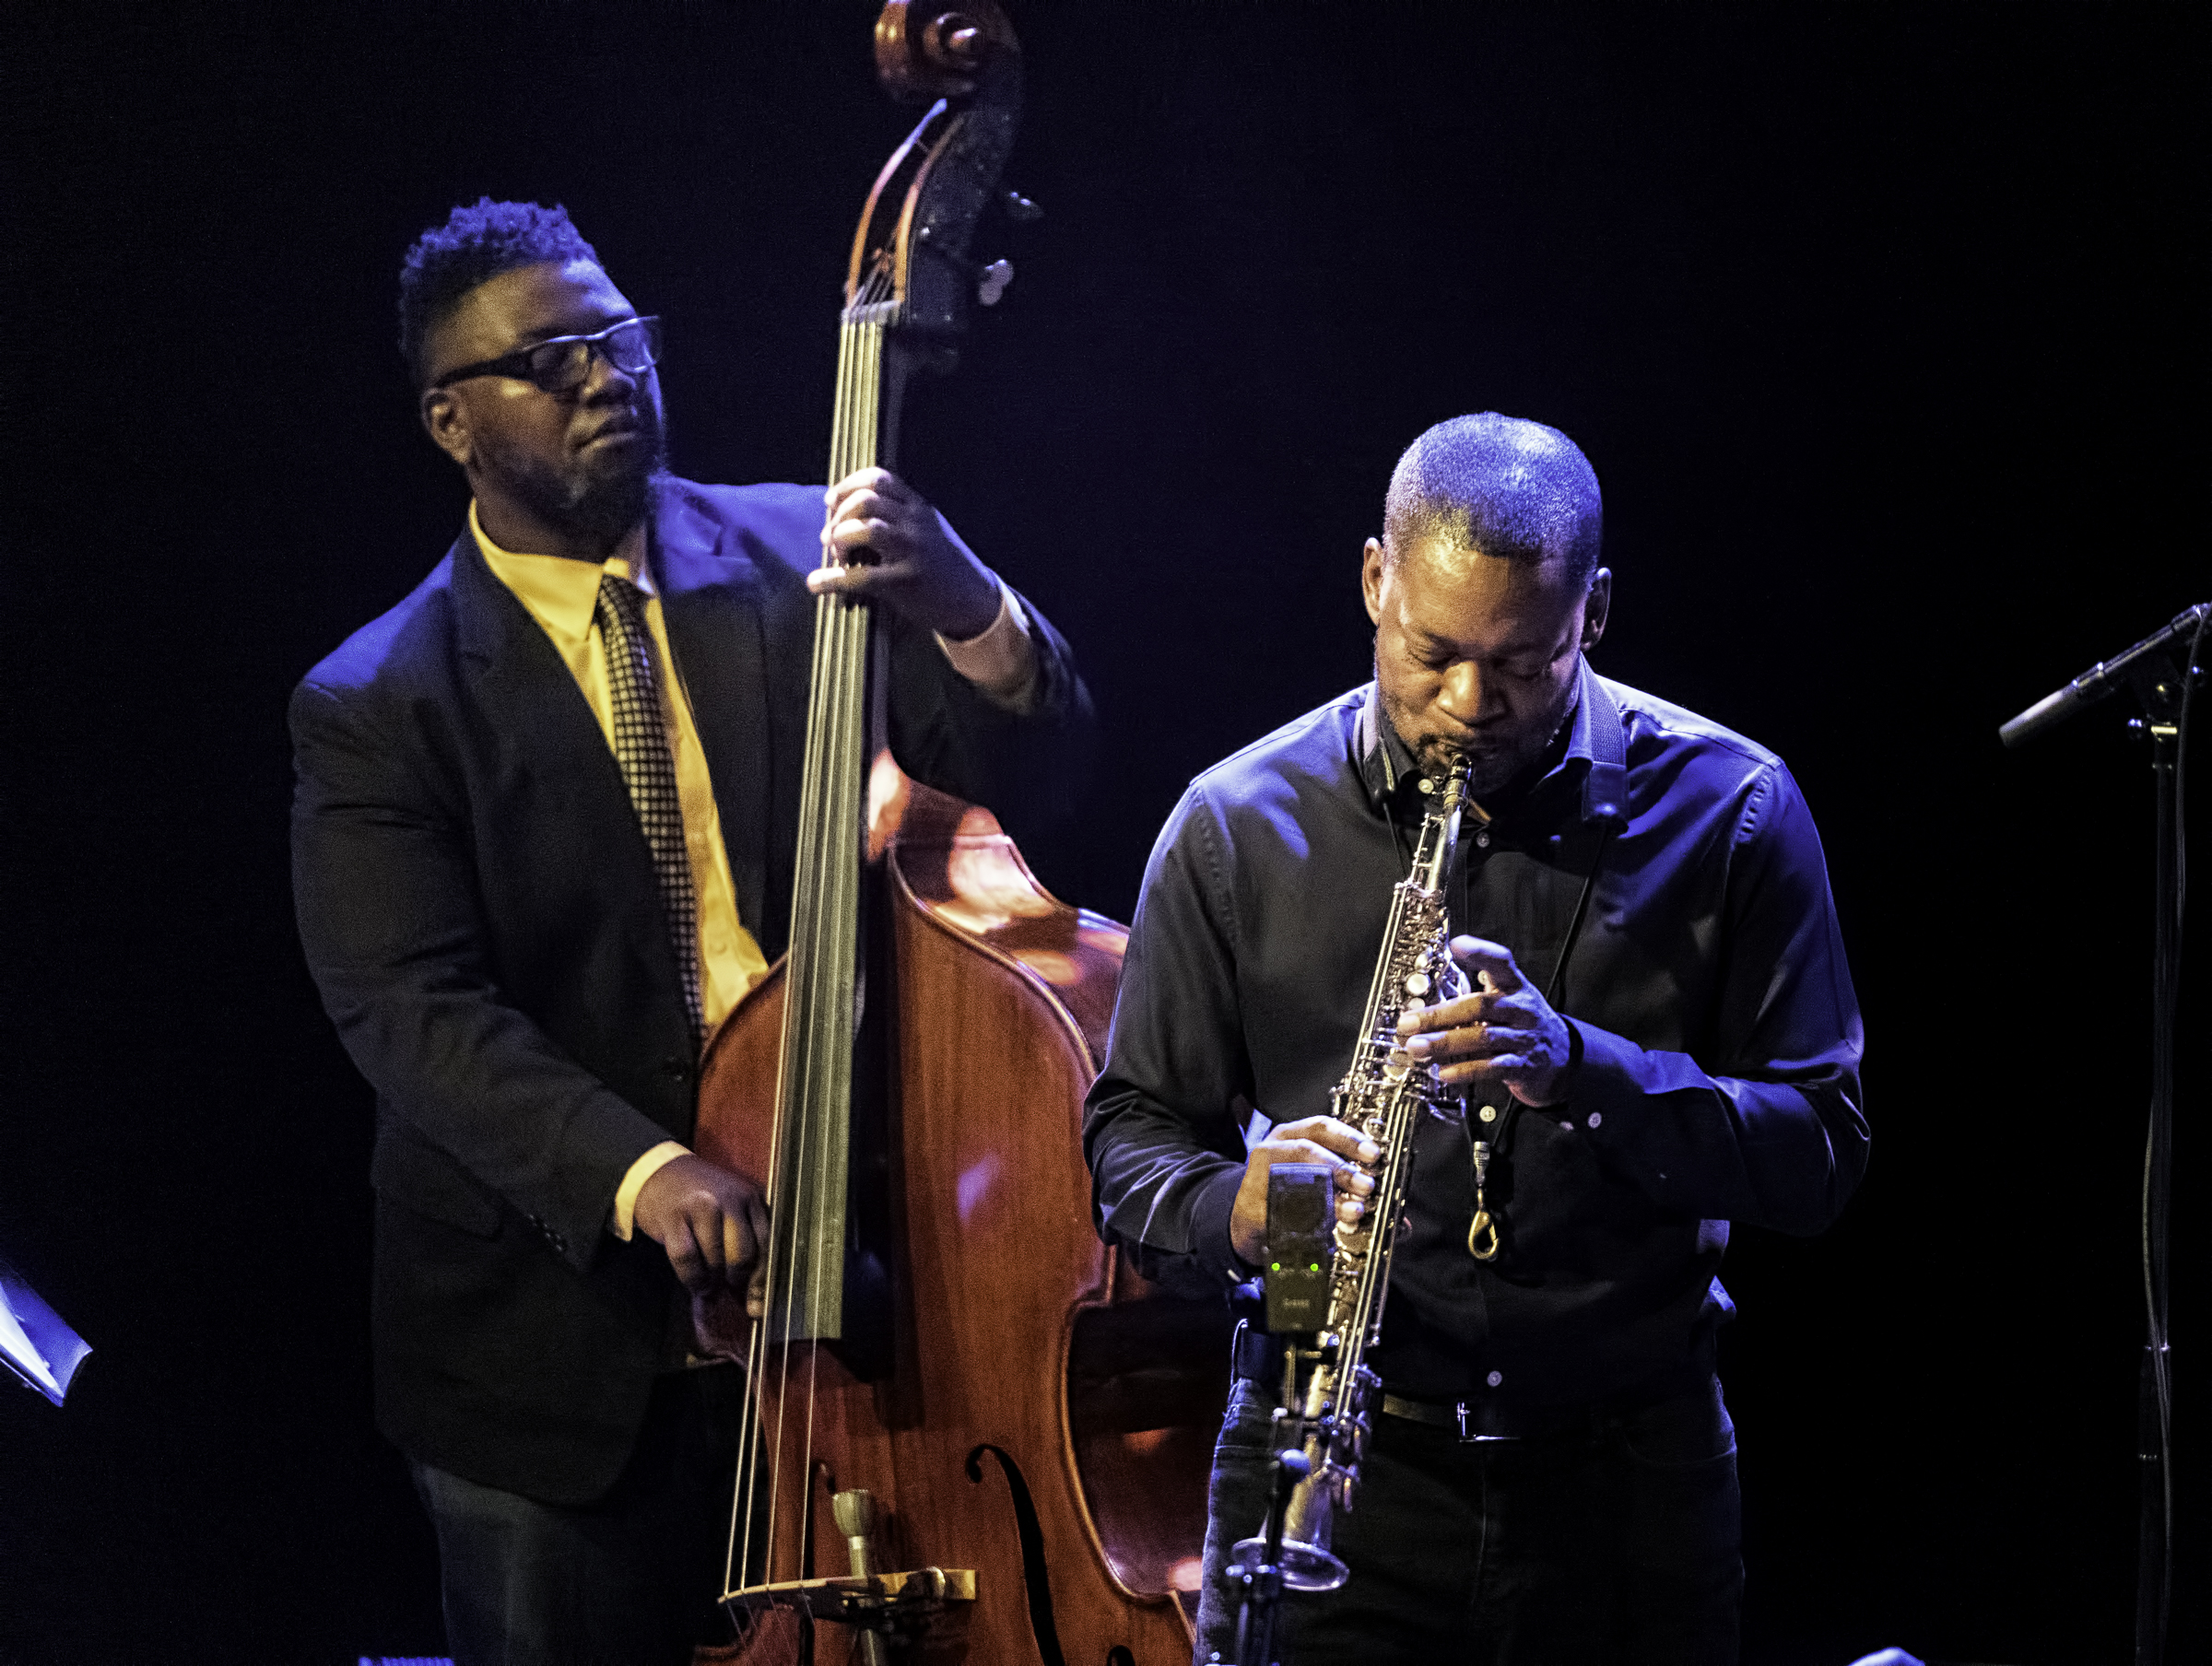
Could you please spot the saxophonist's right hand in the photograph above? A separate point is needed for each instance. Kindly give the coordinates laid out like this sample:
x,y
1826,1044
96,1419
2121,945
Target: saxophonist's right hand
x,y
1312,1140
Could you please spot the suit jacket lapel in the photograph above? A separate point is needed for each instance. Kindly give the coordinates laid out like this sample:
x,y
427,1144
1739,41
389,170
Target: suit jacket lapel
x,y
556,773
710,604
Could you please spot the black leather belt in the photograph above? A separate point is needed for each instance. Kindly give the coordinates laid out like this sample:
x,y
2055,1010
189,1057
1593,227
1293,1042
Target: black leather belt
x,y
1259,1359
1468,1419
1476,1420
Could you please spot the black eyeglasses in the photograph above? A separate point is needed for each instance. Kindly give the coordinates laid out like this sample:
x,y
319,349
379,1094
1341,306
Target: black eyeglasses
x,y
559,363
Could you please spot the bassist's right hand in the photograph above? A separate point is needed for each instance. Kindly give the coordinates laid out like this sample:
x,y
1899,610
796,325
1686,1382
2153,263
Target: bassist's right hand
x,y
1322,1140
711,1222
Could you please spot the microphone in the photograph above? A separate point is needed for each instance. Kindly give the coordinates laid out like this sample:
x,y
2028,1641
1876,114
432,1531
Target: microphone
x,y
1301,1247
2099,679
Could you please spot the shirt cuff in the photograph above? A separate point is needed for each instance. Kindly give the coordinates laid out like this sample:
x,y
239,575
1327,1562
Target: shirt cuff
x,y
1604,1079
1210,1212
643,1169
1002,660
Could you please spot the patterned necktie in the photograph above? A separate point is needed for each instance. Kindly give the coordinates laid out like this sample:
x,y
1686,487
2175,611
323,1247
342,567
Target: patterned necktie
x,y
648,771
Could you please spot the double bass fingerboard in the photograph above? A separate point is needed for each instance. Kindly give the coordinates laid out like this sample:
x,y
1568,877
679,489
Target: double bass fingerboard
x,y
814,1088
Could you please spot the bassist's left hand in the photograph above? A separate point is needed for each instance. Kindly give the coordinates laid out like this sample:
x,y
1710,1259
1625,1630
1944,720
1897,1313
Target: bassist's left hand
x,y
894,548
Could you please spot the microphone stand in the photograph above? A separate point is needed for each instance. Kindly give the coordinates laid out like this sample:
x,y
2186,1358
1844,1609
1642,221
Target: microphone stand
x,y
1287,1303
2148,668
1263,1590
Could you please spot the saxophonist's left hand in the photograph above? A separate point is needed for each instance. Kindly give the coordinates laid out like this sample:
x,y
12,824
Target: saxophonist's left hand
x,y
1503,1033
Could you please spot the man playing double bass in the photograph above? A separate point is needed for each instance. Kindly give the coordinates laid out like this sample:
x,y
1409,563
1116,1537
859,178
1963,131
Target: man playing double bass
x,y
1663,1039
543,842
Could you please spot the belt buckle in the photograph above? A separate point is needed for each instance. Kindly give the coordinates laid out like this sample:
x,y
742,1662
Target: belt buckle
x,y
1459,1411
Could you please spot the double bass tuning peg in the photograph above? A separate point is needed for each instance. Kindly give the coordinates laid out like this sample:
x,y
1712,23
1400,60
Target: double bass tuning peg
x,y
990,281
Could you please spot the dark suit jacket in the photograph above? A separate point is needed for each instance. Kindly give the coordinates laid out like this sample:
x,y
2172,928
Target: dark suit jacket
x,y
479,907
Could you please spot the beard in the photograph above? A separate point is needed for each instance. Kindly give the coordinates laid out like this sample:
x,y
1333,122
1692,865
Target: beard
x,y
595,498
1494,761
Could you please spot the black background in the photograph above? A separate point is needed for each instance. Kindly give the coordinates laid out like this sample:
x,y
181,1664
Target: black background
x,y
1883,326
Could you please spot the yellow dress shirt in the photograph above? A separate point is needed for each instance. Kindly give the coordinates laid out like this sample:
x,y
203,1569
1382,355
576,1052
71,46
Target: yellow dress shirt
x,y
562,595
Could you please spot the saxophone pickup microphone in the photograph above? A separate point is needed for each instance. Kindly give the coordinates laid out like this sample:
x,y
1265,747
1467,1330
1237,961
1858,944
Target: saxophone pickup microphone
x,y
1302,1221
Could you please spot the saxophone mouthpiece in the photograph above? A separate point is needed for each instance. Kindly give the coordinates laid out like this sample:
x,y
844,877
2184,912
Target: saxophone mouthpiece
x,y
1455,786
1440,839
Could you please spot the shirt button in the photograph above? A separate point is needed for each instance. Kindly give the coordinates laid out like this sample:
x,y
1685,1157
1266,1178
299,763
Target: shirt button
x,y
1567,1125
1596,1117
1483,839
1495,1377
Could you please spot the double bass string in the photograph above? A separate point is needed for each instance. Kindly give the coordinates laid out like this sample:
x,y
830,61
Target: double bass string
x,y
833,1033
791,1086
845,770
813,1068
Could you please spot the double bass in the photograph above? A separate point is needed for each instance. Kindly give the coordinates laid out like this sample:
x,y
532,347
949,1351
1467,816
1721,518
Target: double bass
x,y
972,1435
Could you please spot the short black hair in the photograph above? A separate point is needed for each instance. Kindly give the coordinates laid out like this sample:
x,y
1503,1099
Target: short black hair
x,y
1501,485
474,246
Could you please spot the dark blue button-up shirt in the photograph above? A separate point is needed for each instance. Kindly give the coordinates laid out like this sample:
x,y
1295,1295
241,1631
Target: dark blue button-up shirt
x,y
1718,1032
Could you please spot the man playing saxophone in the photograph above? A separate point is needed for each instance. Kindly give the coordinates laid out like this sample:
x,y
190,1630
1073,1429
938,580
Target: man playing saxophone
x,y
1660,1038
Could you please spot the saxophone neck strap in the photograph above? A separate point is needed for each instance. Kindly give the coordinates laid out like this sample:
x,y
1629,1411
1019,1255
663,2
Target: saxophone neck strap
x,y
1606,783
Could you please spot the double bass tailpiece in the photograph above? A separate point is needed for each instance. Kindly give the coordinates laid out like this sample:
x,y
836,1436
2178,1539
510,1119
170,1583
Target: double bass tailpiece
x,y
876,1605
873,1601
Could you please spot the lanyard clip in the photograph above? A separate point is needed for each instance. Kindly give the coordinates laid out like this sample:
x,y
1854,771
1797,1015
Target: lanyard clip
x,y
1482,1232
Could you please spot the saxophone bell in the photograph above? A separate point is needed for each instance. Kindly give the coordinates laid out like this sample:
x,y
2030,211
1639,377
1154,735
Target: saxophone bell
x,y
1297,1537
1306,1564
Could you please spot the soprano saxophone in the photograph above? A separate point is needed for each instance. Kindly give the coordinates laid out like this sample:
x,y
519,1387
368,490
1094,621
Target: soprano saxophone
x,y
1384,1094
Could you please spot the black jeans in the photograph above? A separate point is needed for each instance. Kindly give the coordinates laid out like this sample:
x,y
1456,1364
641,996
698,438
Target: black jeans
x,y
628,1580
1614,1540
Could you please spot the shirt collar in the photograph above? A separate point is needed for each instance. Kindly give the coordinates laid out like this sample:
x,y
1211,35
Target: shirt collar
x,y
562,593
